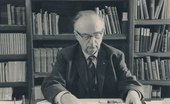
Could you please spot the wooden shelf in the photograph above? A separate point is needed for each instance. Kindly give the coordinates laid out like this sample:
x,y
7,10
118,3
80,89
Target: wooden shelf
x,y
6,27
13,57
152,22
12,84
160,54
156,82
40,74
12,1
72,37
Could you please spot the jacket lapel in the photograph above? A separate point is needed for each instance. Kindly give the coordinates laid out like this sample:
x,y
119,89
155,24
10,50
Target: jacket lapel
x,y
81,66
101,67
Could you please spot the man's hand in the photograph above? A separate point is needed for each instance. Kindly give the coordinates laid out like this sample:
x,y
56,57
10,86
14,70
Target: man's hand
x,y
133,98
68,99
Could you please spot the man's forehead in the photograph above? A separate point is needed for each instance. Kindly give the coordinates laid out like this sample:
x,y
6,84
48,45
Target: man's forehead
x,y
89,23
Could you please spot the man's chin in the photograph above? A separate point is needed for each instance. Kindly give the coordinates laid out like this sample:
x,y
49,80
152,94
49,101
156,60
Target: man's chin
x,y
92,51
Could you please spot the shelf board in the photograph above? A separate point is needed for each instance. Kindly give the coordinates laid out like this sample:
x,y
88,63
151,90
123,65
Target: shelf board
x,y
6,27
156,82
160,54
20,57
152,22
72,37
40,74
12,84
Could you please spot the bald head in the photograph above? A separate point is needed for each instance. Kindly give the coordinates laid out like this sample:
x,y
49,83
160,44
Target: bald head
x,y
88,20
89,31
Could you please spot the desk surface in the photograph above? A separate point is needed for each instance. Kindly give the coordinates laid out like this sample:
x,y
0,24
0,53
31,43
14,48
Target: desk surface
x,y
92,101
113,101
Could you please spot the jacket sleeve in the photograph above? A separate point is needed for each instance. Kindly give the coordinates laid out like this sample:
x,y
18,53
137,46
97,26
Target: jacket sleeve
x,y
127,81
55,82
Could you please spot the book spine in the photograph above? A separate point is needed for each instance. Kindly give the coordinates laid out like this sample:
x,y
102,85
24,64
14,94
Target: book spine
x,y
141,10
136,39
158,9
37,59
145,9
50,24
146,71
167,9
163,14
116,19
148,60
155,35
9,14
23,15
163,70
124,25
141,39
154,73
152,9
12,14
157,69
18,15
110,18
57,27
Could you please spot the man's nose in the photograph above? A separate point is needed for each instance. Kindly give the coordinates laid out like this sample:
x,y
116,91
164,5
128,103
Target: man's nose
x,y
92,40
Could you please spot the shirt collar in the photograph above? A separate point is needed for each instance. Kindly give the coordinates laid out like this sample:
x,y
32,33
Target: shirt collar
x,y
86,55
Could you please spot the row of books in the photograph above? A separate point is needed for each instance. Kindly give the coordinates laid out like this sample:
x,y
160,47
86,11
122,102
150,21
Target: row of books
x,y
6,96
153,9
152,69
13,71
38,93
16,15
11,102
6,93
147,41
45,23
44,59
151,92
111,18
12,43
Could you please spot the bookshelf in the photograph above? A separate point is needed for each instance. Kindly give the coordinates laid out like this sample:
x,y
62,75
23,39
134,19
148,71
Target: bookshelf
x,y
152,22
13,84
155,82
66,9
4,27
138,55
13,55
72,37
142,54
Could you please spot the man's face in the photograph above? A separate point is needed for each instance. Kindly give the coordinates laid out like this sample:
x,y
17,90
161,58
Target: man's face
x,y
89,32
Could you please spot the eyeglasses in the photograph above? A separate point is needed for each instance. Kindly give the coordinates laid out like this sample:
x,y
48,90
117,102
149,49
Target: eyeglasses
x,y
86,36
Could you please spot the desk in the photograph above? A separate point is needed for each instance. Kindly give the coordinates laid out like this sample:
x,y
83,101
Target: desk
x,y
92,101
104,101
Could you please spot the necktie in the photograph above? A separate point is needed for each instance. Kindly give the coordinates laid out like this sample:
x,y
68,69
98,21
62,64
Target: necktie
x,y
92,77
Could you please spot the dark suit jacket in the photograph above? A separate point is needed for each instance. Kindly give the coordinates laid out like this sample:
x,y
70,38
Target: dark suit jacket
x,y
70,73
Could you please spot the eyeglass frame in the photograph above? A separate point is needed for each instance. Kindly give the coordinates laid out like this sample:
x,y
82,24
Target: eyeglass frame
x,y
88,36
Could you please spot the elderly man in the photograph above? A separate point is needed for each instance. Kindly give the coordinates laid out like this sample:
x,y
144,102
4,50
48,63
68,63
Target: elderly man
x,y
90,68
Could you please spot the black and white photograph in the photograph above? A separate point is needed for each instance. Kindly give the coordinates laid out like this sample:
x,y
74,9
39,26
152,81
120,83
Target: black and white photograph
x,y
84,51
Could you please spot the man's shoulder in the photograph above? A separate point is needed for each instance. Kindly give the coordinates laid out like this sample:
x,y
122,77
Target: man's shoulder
x,y
112,50
69,50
